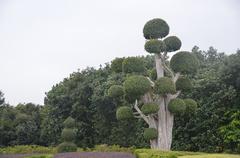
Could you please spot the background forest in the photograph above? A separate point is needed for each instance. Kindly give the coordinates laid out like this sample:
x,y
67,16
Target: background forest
x,y
214,127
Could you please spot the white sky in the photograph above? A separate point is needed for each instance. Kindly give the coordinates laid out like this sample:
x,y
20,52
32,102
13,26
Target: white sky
x,y
43,41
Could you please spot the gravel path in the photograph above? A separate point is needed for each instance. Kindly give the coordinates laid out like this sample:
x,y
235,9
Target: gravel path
x,y
94,155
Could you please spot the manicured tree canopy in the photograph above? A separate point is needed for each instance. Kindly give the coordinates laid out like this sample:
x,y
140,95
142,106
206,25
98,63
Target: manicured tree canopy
x,y
150,108
116,91
191,105
177,106
155,28
150,133
133,64
68,134
172,43
69,122
124,112
155,46
164,85
184,62
116,65
183,84
135,86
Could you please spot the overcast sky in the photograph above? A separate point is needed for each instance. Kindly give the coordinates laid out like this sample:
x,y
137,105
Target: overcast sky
x,y
43,41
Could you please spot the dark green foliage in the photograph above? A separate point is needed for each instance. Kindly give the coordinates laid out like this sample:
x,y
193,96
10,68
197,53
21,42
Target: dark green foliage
x,y
155,46
115,91
2,99
133,65
150,133
68,134
124,112
153,74
69,123
164,85
177,106
184,62
150,108
135,86
172,43
183,84
155,28
116,65
191,105
67,147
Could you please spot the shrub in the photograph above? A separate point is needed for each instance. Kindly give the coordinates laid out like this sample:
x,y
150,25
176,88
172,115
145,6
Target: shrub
x,y
27,149
136,86
150,108
164,85
67,147
150,133
155,28
40,156
177,106
115,91
68,134
183,84
184,62
69,123
191,105
133,65
172,43
155,46
116,65
124,112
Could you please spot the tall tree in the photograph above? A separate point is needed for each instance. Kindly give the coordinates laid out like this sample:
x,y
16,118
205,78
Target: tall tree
x,y
156,102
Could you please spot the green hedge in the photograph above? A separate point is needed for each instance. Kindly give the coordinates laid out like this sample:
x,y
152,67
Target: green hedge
x,y
27,149
40,156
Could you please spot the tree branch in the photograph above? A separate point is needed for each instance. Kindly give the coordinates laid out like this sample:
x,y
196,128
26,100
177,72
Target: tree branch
x,y
152,83
175,78
140,112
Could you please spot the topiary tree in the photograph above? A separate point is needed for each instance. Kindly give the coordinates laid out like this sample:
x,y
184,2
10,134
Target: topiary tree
x,y
155,100
68,136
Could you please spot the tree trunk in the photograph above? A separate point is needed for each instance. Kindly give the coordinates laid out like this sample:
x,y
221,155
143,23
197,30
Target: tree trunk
x,y
164,117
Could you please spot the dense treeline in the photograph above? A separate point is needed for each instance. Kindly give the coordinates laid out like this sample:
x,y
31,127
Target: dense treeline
x,y
214,127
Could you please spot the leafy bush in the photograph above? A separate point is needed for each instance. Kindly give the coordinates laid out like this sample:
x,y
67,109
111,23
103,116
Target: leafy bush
x,y
124,112
183,84
40,156
116,65
177,106
155,46
155,28
150,108
112,148
69,122
172,43
164,85
115,91
135,86
150,133
133,65
68,134
67,147
191,105
184,62
27,149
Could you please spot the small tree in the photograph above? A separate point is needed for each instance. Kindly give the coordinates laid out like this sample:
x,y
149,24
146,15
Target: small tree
x,y
68,136
155,101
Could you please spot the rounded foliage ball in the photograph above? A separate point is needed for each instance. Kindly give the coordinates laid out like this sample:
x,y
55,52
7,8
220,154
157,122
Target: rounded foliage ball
x,y
155,46
124,113
177,106
133,64
66,147
184,84
116,65
155,28
135,86
184,62
172,43
115,91
164,85
150,133
191,105
69,123
68,134
150,108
